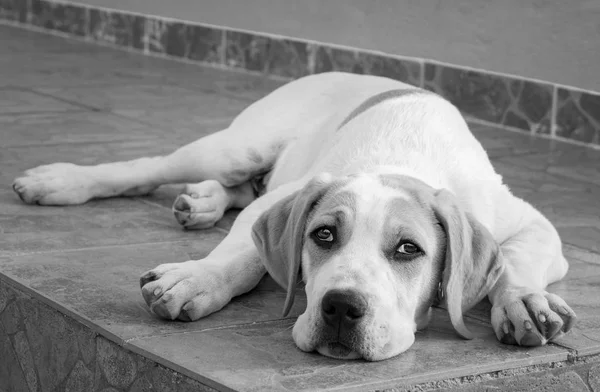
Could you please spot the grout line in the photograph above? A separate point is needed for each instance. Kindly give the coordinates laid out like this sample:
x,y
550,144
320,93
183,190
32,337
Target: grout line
x,y
554,112
561,139
223,49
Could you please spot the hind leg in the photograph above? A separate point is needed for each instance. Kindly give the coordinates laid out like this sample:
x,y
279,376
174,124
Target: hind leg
x,y
202,205
226,156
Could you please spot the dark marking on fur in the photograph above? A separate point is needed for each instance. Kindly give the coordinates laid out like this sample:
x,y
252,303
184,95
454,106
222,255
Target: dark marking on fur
x,y
236,177
381,97
254,156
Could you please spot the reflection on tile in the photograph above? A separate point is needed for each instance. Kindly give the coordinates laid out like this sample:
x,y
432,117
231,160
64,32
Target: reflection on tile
x,y
501,100
279,57
66,18
15,10
333,59
117,28
102,284
264,358
578,116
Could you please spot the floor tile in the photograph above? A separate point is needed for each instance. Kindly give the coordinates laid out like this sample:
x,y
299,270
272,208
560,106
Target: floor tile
x,y
168,106
34,129
573,162
102,285
498,143
264,358
582,295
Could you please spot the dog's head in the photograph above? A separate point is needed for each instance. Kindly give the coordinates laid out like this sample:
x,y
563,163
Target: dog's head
x,y
372,251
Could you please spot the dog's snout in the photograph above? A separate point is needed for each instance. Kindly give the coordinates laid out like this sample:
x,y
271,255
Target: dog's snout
x,y
343,307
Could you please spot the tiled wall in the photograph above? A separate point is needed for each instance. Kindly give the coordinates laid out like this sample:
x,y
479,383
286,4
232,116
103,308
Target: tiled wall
x,y
527,105
44,350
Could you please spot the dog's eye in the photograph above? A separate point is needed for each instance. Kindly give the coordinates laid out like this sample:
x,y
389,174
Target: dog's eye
x,y
324,234
408,248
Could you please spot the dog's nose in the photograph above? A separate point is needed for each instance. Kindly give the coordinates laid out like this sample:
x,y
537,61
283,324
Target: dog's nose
x,y
343,307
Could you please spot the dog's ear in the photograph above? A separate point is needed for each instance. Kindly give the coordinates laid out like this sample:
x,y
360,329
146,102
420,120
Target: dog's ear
x,y
278,234
473,261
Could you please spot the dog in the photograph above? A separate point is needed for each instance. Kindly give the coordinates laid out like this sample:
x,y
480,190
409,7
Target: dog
x,y
373,192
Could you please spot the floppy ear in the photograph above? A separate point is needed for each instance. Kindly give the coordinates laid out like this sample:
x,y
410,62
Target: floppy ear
x,y
278,234
473,261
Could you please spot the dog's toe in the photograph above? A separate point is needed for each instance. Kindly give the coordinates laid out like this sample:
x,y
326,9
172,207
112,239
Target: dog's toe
x,y
200,212
185,291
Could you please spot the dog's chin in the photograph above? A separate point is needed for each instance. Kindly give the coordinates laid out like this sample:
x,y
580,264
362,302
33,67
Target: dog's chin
x,y
338,351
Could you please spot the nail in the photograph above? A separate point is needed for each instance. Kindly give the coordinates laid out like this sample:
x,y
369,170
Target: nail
x,y
528,325
505,328
156,292
542,318
564,311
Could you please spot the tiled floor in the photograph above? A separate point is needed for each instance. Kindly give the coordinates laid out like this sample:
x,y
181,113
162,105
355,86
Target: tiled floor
x,y
70,101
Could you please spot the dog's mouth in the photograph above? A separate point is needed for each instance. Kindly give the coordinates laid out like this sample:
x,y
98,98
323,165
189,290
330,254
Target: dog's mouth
x,y
337,350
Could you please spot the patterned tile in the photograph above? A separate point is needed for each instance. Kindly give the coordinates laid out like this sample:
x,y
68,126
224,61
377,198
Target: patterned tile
x,y
117,28
15,10
67,18
204,44
197,43
44,350
578,116
333,59
520,104
278,57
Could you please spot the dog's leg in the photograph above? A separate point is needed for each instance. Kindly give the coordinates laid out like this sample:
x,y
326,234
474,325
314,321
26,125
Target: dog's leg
x,y
202,205
523,311
197,288
226,156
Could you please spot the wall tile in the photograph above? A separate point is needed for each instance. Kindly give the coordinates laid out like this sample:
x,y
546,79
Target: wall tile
x,y
197,43
44,350
11,375
66,18
578,116
194,42
278,57
501,100
333,59
117,28
15,10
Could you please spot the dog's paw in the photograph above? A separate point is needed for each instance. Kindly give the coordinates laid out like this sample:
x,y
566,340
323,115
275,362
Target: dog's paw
x,y
531,319
55,184
201,205
185,291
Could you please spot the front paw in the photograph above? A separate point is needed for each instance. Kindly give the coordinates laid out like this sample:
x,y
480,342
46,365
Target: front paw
x,y
185,291
531,319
